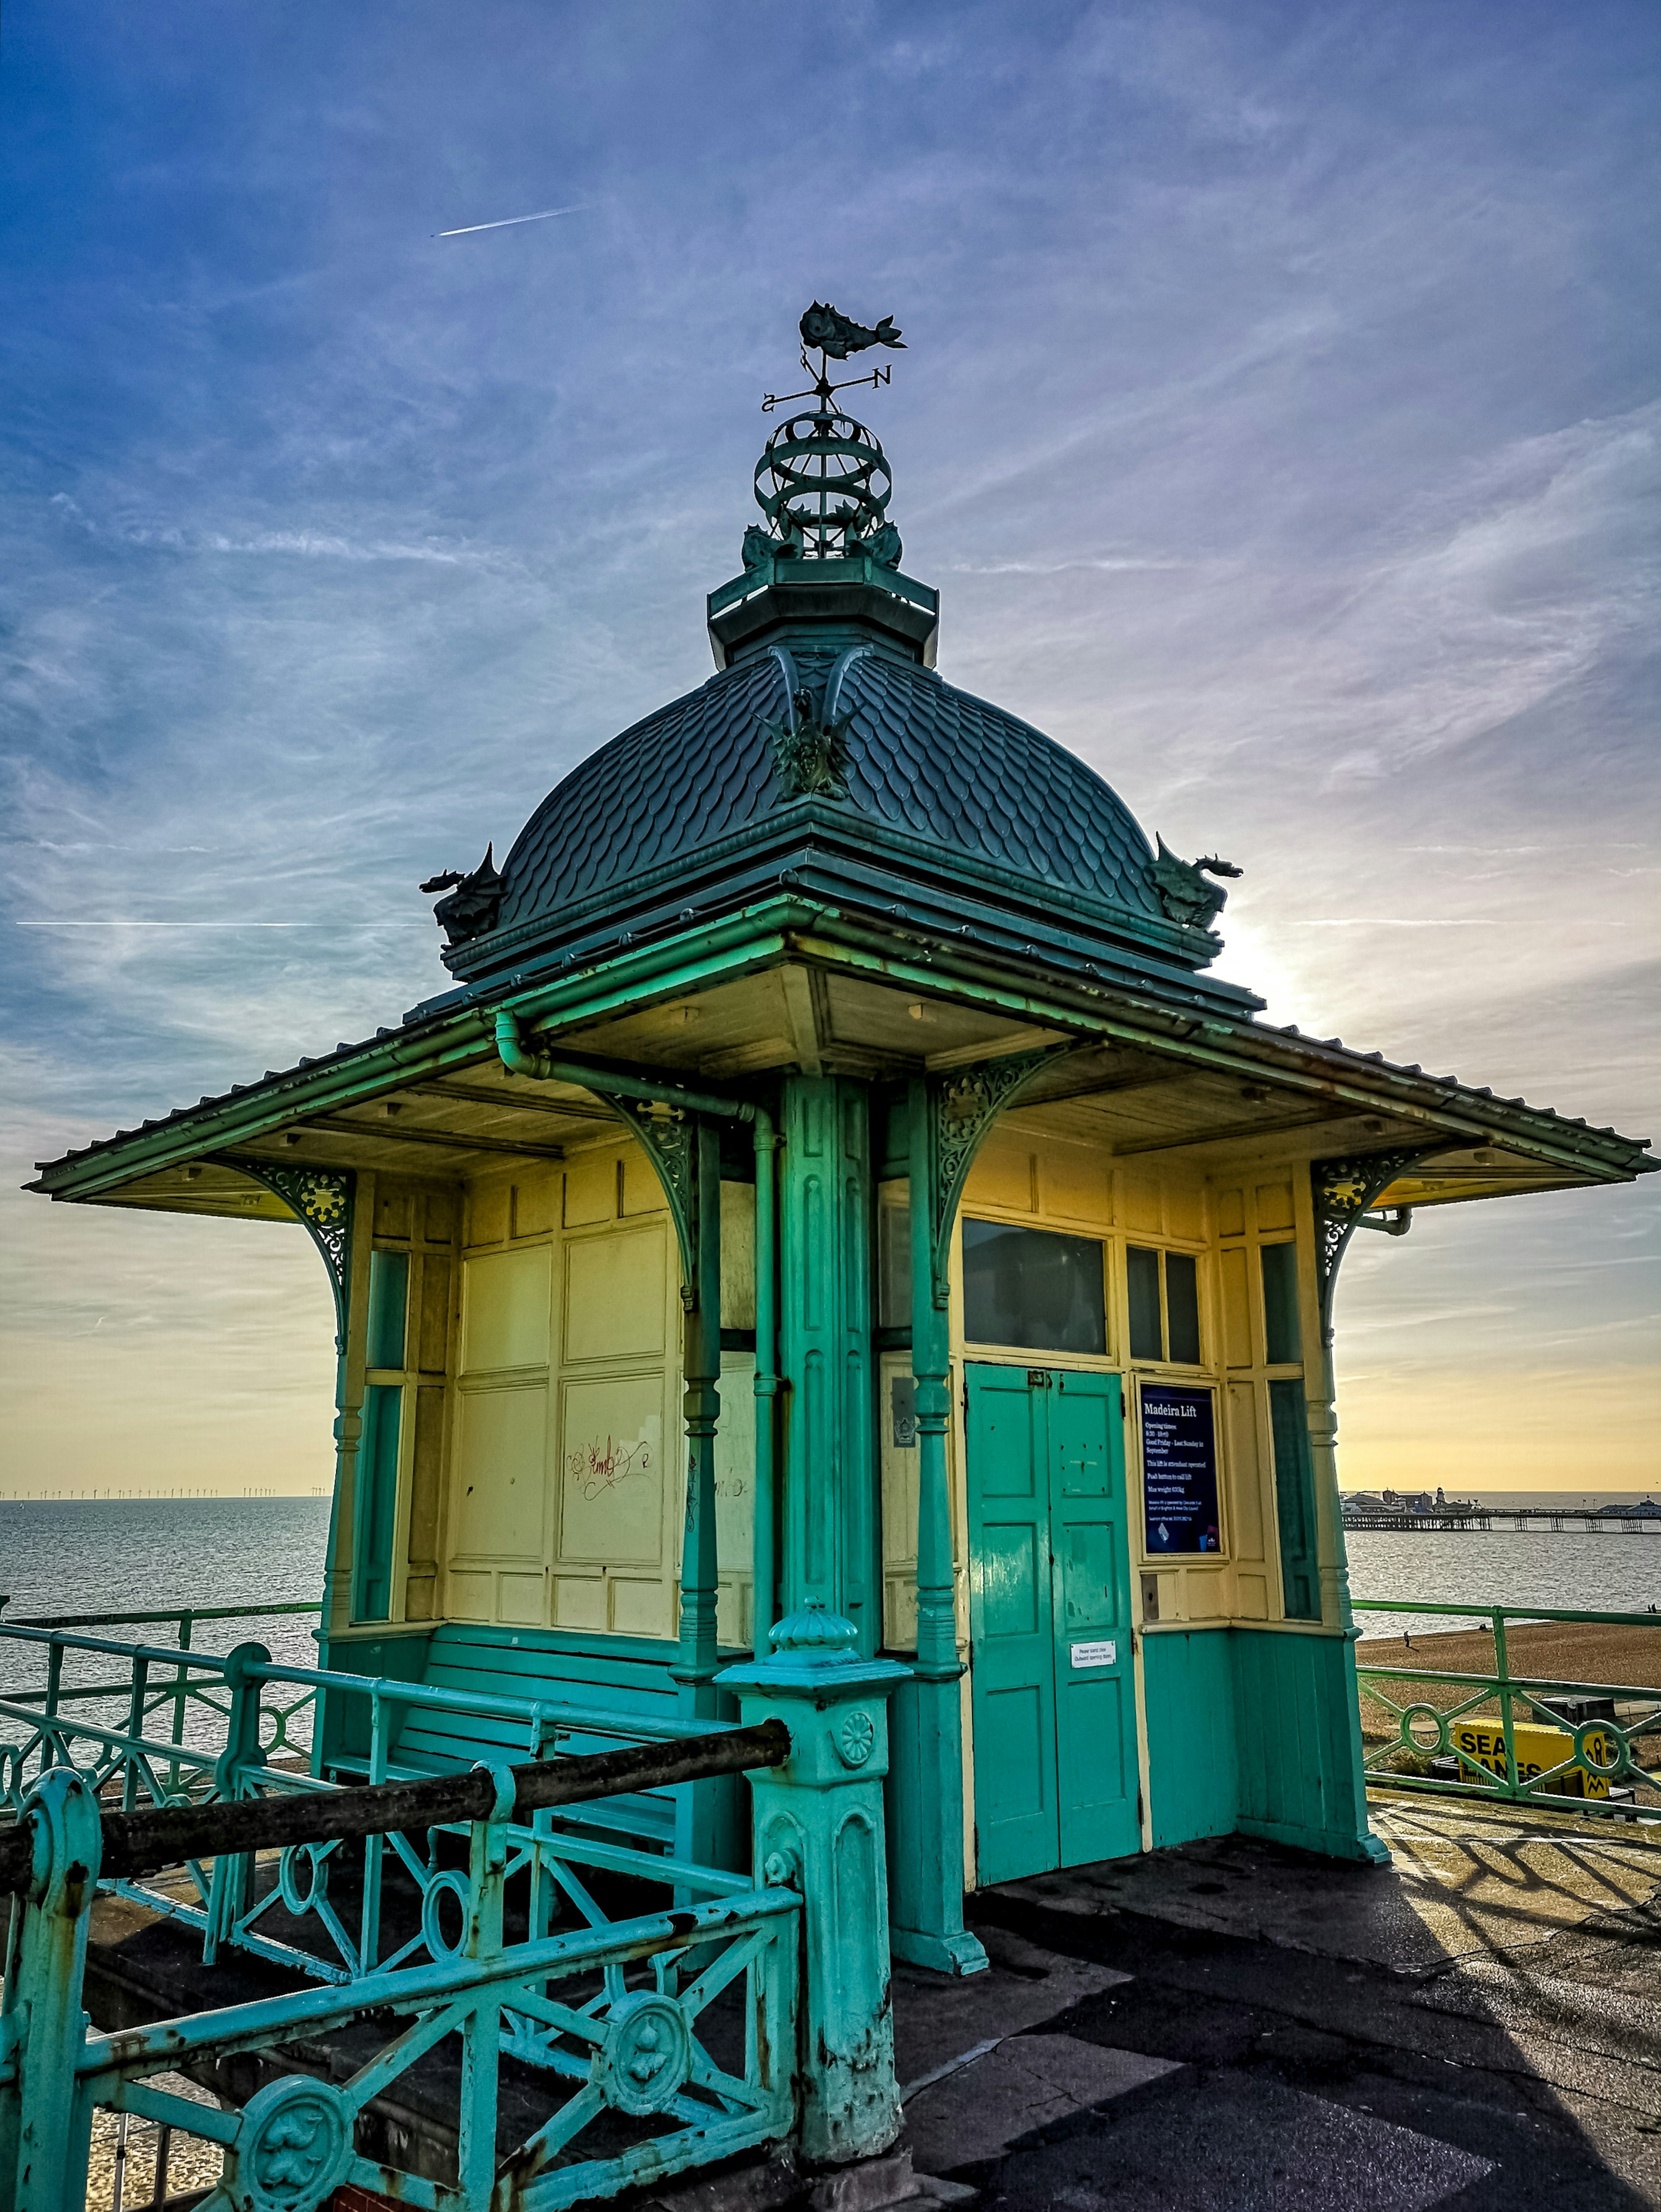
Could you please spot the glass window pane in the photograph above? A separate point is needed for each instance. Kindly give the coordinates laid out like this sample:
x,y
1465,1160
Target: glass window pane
x,y
1143,1269
1282,1340
377,1497
389,1295
1033,1288
1182,1308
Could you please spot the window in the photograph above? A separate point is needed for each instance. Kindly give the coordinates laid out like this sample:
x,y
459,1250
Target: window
x,y
1164,1305
375,1511
1282,1338
1033,1288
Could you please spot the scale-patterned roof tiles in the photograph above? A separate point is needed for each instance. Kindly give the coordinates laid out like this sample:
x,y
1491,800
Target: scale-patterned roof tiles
x,y
926,760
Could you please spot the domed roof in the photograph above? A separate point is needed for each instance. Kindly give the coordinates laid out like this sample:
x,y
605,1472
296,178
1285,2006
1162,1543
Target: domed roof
x,y
923,760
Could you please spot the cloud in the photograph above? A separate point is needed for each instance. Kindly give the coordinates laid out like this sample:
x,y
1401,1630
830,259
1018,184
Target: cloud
x,y
1275,413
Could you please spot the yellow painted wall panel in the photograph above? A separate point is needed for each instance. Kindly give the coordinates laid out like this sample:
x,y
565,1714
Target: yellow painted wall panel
x,y
440,1213
591,1190
1077,1182
641,1608
1139,1195
1002,1175
472,1596
1184,1208
501,1455
1236,1306
426,1470
738,1255
1231,1213
579,1601
735,1466
419,1595
1251,1596
1274,1205
615,1289
487,1211
505,1309
536,1204
611,1472
519,1598
1245,1484
391,1212
642,1191
433,1340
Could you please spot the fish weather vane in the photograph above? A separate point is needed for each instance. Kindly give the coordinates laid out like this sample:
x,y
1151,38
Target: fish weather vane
x,y
833,335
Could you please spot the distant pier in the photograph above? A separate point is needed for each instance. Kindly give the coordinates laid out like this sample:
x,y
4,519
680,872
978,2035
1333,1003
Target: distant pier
x,y
1440,1518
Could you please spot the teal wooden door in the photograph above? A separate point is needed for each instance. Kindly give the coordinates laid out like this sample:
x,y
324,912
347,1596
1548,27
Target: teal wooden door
x,y
1051,1683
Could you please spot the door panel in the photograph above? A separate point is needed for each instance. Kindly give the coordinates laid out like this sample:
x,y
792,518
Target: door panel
x,y
1012,1688
1052,1688
1095,1693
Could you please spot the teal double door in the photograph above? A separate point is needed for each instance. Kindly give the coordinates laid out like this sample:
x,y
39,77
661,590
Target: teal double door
x,y
1052,1681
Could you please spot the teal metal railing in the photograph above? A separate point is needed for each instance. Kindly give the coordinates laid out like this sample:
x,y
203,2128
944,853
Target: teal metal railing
x,y
1520,1738
164,1725
744,2011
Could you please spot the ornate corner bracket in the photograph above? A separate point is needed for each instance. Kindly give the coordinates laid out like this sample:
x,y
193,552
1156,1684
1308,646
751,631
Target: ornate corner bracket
x,y
1344,1190
669,1135
964,1103
321,1198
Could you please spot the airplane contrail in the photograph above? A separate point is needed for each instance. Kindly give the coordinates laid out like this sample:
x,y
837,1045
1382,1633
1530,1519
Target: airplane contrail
x,y
508,222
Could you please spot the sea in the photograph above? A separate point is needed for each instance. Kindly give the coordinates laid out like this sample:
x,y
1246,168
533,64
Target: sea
x,y
98,1555
86,1555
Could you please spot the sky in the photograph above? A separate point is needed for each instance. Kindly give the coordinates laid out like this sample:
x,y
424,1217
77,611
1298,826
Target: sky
x,y
1279,421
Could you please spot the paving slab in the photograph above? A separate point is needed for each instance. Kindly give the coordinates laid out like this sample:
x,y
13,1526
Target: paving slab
x,y
1029,2082
1244,2146
1462,1880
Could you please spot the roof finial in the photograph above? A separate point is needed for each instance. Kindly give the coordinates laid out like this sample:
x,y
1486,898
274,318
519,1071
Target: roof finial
x,y
822,482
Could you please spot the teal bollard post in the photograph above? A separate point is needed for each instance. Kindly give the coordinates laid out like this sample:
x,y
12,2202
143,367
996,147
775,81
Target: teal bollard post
x,y
46,2118
228,1893
818,1829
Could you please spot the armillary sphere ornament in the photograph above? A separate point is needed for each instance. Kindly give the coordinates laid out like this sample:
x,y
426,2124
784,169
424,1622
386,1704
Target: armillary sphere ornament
x,y
822,482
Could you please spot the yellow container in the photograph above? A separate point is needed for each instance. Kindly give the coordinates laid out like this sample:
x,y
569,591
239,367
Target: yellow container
x,y
1538,1750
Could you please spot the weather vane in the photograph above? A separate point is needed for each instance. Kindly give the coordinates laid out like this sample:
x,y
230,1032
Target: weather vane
x,y
833,337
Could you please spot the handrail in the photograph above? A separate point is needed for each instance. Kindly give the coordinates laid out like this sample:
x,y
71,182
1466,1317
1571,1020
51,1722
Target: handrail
x,y
167,1613
135,1843
1518,1613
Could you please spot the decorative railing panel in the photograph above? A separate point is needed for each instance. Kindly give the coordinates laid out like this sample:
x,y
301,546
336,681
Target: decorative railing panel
x,y
157,1725
1477,1732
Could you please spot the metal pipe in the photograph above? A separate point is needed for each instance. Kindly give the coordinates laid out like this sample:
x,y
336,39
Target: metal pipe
x,y
764,1526
137,1843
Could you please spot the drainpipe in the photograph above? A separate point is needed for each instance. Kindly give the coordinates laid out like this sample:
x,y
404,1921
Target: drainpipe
x,y
545,1067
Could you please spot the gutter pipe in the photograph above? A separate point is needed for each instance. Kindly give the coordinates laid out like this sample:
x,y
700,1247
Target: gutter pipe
x,y
546,1068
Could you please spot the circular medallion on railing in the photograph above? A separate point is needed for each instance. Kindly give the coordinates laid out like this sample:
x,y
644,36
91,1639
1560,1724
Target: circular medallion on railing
x,y
315,1858
13,1785
856,1738
1601,1750
448,1884
647,2055
292,2149
1425,1729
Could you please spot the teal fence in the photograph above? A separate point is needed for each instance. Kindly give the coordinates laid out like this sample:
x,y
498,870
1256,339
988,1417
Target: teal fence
x,y
469,2071
167,1725
1520,1738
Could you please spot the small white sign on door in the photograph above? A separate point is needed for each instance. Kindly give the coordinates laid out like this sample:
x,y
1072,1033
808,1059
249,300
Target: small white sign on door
x,y
1095,1654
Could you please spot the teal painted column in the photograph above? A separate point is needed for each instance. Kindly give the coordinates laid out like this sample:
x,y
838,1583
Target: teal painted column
x,y
832,1543
926,1820
818,1829
706,1812
45,2116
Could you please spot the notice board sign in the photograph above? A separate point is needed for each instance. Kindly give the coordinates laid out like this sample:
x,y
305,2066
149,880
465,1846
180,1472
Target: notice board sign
x,y
1179,1468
